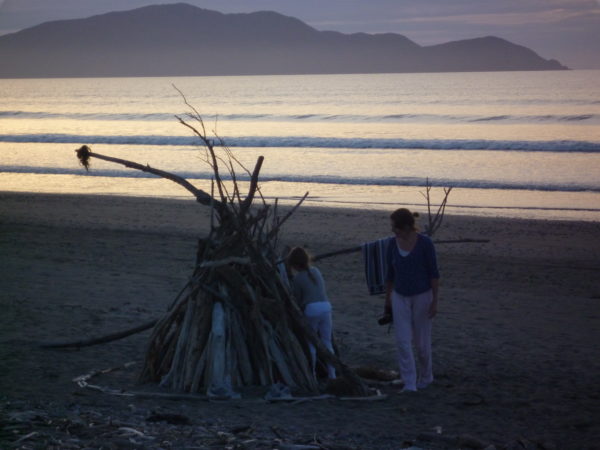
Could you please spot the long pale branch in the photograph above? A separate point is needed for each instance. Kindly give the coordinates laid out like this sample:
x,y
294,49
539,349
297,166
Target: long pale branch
x,y
84,153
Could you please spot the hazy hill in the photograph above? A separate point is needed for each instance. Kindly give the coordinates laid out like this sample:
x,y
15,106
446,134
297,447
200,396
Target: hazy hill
x,y
180,39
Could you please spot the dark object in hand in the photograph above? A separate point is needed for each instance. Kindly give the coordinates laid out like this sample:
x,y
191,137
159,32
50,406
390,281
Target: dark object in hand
x,y
385,319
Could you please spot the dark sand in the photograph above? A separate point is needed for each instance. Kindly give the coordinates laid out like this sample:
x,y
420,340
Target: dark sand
x,y
515,342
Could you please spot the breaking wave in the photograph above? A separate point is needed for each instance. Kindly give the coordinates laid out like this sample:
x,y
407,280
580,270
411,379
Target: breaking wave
x,y
566,146
315,117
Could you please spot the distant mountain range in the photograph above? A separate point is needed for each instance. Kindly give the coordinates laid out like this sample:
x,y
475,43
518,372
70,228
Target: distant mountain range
x,y
180,39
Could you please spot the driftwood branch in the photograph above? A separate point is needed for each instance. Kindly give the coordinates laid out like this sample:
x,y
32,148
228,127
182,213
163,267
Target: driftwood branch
x,y
84,153
101,339
225,262
358,248
281,221
253,185
462,241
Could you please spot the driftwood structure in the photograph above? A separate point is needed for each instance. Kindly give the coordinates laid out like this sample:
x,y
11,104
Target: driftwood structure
x,y
235,323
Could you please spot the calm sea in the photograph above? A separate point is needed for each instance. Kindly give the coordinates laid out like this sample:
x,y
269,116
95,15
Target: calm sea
x,y
518,144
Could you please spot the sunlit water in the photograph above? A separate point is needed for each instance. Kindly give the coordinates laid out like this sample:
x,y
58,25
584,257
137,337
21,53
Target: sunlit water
x,y
519,144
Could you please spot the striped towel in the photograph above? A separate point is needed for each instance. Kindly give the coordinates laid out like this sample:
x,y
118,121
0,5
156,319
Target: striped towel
x,y
374,257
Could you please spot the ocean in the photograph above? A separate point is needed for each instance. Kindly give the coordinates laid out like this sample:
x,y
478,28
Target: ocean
x,y
512,144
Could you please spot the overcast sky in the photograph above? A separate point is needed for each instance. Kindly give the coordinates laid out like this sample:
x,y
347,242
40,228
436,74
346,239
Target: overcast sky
x,y
566,30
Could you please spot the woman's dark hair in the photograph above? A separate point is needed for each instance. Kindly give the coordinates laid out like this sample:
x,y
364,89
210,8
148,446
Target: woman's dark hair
x,y
402,219
299,259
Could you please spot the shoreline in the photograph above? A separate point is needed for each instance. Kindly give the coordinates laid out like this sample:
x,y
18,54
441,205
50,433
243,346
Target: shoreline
x,y
514,343
475,203
183,216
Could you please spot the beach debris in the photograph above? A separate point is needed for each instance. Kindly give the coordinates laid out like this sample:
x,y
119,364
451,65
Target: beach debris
x,y
82,380
97,427
38,424
235,323
27,436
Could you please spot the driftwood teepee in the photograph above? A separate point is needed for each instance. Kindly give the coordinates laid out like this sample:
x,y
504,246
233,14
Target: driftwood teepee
x,y
235,323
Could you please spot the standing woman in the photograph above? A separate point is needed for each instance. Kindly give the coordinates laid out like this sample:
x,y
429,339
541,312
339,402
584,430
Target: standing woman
x,y
412,297
309,290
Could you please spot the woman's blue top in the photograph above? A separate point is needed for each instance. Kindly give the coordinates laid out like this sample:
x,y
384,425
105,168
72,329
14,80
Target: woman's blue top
x,y
412,274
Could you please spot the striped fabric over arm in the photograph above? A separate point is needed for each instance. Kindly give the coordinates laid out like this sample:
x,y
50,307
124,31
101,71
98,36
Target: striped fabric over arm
x,y
375,262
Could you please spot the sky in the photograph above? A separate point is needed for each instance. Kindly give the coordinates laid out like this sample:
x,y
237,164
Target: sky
x,y
566,30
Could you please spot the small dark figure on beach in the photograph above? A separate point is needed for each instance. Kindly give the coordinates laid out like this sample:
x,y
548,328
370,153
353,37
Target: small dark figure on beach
x,y
412,297
309,290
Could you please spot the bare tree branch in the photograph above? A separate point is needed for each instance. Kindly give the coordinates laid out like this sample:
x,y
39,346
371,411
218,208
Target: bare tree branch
x,y
212,157
196,115
435,221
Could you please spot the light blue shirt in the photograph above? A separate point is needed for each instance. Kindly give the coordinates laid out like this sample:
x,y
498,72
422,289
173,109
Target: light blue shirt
x,y
308,291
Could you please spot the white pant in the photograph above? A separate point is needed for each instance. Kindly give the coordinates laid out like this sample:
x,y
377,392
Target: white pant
x,y
318,316
413,325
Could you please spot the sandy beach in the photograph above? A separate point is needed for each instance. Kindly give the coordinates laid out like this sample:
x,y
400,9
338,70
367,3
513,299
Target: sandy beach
x,y
514,339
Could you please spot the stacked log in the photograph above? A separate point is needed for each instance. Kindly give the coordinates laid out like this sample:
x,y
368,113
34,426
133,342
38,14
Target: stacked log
x,y
237,322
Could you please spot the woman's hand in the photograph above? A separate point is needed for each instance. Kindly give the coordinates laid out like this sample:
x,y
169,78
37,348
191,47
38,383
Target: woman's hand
x,y
387,307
